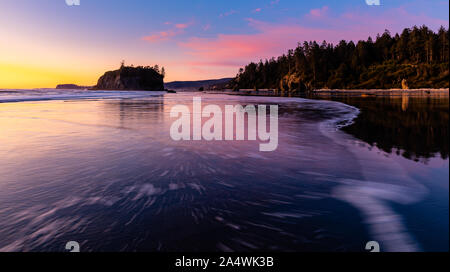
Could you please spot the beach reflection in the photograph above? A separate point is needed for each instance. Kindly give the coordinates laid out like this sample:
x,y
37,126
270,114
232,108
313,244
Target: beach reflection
x,y
106,173
414,126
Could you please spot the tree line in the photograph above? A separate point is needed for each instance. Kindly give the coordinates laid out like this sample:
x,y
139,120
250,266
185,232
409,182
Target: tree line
x,y
418,56
156,68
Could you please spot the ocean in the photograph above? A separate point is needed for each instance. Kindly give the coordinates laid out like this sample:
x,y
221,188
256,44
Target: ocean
x,y
100,168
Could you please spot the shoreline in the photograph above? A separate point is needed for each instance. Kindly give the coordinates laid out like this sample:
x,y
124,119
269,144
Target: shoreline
x,y
390,92
321,93
333,92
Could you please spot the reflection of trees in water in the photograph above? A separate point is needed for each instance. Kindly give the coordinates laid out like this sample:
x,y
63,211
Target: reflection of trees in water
x,y
129,110
415,127
405,102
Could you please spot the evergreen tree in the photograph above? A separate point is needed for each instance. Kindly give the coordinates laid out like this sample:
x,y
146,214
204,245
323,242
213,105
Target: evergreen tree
x,y
418,55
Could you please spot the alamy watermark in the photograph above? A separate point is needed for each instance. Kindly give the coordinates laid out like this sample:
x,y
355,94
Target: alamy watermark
x,y
212,129
73,2
373,2
73,246
373,246
368,2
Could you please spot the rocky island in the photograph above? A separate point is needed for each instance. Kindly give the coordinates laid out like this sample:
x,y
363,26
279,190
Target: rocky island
x,y
71,87
133,78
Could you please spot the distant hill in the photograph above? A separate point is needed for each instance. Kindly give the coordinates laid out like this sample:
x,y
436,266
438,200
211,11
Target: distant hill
x,y
72,87
132,78
206,84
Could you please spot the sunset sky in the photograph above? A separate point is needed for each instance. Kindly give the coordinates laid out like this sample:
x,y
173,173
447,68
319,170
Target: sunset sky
x,y
46,42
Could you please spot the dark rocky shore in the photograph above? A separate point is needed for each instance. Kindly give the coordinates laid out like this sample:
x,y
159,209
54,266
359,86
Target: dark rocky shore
x,y
132,78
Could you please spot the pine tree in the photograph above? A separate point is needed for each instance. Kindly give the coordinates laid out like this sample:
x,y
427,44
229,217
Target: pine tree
x,y
417,54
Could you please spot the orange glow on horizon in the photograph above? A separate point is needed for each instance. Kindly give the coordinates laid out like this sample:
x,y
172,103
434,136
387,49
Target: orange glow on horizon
x,y
24,77
29,77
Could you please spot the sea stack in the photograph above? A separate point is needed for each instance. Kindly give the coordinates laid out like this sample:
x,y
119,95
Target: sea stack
x,y
405,84
132,78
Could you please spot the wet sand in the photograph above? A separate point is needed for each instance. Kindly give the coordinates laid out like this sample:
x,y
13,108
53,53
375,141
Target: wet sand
x,y
103,171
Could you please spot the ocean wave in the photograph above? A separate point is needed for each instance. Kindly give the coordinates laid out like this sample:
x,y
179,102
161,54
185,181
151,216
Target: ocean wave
x,y
11,96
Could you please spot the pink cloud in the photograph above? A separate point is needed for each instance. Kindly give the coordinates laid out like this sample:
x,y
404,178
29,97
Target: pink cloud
x,y
166,35
161,36
212,63
182,26
257,10
272,40
317,13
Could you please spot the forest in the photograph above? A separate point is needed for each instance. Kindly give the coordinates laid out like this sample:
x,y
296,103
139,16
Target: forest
x,y
418,58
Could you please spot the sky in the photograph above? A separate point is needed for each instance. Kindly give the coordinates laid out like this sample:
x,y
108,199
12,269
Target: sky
x,y
46,42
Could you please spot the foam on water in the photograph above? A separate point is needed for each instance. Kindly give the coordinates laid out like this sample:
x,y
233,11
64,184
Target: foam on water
x,y
8,96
